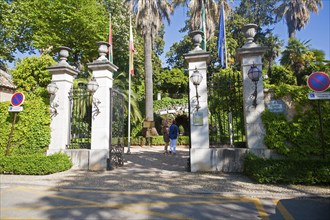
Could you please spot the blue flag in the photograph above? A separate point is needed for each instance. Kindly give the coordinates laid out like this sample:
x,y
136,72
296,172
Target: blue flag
x,y
222,37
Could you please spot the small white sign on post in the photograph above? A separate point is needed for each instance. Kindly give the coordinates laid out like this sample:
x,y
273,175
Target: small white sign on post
x,y
198,118
15,108
318,95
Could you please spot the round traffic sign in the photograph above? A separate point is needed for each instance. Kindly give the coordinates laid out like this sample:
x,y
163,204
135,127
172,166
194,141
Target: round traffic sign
x,y
318,81
17,99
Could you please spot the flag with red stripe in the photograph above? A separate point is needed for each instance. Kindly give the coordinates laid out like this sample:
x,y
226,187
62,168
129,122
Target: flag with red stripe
x,y
131,49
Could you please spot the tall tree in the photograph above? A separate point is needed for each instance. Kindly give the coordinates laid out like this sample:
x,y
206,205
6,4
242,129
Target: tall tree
x,y
195,14
42,25
31,75
149,20
297,13
297,56
15,36
259,12
274,45
175,56
69,23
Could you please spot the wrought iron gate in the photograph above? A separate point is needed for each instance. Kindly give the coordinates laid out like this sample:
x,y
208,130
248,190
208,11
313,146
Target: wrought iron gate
x,y
226,118
81,121
117,128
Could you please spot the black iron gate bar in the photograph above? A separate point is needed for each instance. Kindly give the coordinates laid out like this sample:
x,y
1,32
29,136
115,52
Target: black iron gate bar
x,y
80,121
117,132
226,110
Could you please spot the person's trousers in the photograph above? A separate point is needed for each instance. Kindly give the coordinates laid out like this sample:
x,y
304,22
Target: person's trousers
x,y
173,145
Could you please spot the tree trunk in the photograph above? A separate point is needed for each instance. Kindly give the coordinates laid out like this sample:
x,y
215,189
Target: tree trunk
x,y
148,77
291,30
299,78
269,72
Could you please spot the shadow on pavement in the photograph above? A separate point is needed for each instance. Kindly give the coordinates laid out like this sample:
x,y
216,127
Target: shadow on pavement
x,y
152,185
155,159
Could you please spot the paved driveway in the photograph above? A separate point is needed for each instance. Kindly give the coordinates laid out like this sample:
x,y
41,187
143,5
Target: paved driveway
x,y
152,185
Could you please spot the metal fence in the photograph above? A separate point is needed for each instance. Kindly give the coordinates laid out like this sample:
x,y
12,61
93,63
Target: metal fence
x,y
117,128
81,121
225,97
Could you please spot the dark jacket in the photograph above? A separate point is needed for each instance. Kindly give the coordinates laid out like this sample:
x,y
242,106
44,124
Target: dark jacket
x,y
174,131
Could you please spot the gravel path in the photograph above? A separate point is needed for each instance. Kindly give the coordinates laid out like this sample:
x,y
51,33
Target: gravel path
x,y
148,169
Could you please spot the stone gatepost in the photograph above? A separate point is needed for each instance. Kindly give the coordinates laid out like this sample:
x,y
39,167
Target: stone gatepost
x,y
62,75
200,153
250,54
103,74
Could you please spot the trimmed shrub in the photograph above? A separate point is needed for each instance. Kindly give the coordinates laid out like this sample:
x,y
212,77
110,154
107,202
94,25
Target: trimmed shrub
x,y
32,130
37,164
289,171
298,136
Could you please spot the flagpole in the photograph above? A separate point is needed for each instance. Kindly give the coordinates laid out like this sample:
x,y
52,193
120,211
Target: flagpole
x,y
129,88
110,40
129,114
224,26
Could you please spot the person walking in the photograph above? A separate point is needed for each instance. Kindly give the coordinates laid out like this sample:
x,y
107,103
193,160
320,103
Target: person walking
x,y
173,133
166,136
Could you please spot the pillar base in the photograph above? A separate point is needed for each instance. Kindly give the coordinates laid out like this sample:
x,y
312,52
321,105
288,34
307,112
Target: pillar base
x,y
86,159
228,160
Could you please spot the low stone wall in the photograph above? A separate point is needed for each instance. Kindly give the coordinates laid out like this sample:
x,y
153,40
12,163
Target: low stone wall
x,y
87,159
224,159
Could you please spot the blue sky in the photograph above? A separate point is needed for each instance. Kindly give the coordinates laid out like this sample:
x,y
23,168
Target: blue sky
x,y
317,30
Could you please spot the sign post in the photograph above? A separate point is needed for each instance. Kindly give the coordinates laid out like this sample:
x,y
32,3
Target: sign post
x,y
16,101
319,82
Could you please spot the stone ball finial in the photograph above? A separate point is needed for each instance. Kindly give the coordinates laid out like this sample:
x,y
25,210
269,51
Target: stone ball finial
x,y
103,50
64,53
249,31
196,37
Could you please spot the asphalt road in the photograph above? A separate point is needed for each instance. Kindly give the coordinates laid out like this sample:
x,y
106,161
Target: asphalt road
x,y
152,185
39,202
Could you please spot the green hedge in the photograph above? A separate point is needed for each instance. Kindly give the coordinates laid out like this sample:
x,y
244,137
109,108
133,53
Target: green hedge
x,y
156,140
37,164
298,136
289,171
32,128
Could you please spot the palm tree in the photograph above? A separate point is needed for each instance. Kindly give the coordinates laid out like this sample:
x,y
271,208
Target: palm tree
x,y
211,13
149,15
274,45
297,13
121,82
297,56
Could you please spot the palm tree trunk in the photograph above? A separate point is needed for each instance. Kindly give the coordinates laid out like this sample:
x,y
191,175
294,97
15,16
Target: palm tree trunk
x,y
269,73
299,78
148,77
292,31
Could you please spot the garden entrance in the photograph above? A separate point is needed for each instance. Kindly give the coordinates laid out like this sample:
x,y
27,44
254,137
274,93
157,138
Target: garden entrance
x,y
81,117
225,103
82,105
117,129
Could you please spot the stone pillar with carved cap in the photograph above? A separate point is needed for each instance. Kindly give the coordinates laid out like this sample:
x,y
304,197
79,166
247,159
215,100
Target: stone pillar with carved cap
x,y
103,71
62,77
199,129
250,55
